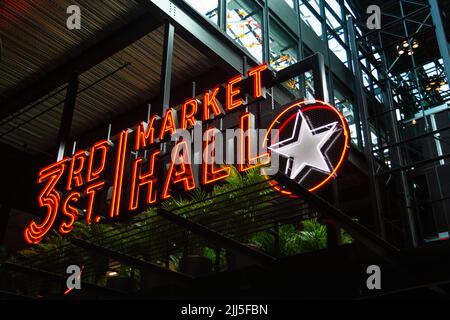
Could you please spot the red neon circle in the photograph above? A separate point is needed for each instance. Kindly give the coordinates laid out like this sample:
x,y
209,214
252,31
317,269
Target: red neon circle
x,y
324,105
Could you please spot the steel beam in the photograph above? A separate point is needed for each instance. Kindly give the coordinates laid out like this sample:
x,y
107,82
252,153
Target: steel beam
x,y
217,238
441,35
201,35
56,77
356,230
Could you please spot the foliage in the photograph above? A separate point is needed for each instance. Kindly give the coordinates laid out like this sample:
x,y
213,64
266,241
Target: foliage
x,y
312,237
231,201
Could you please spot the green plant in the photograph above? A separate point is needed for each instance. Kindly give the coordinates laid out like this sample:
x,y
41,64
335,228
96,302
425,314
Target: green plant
x,y
312,237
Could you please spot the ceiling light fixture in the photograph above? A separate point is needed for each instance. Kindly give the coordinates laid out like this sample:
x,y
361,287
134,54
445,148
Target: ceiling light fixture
x,y
407,47
400,50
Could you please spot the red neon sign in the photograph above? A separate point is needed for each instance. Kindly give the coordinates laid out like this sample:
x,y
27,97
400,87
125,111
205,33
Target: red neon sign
x,y
130,173
321,111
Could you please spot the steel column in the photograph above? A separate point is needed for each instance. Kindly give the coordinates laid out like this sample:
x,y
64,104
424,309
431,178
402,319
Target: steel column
x,y
320,78
364,115
265,31
222,15
441,36
389,105
166,71
67,115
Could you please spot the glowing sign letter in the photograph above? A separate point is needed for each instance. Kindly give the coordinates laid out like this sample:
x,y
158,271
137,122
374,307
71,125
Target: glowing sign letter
x,y
49,198
210,103
76,168
91,191
168,123
256,74
103,147
181,159
210,173
70,212
139,180
145,134
246,159
188,116
231,103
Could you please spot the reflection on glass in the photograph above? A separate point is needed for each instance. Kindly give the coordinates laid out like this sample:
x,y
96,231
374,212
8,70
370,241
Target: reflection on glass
x,y
244,25
283,48
208,8
293,86
310,17
309,86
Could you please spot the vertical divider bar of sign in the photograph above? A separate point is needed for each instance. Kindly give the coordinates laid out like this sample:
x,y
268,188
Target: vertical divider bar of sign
x,y
118,174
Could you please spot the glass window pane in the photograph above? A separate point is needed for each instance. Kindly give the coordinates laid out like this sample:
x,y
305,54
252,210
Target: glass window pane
x,y
338,49
244,25
283,48
349,8
334,5
208,8
332,21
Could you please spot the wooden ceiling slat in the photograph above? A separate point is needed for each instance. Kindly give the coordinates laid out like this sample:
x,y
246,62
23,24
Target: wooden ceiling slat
x,y
123,90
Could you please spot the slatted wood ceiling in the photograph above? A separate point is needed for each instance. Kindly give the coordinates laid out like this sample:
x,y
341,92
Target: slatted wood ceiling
x,y
135,70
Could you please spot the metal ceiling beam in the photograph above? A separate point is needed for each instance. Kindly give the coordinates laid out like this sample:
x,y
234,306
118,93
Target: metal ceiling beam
x,y
128,260
83,61
201,34
217,238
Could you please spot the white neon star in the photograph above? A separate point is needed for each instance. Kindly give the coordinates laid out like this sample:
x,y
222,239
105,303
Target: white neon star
x,y
305,150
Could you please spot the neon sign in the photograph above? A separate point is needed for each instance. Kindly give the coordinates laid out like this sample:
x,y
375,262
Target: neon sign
x,y
110,178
